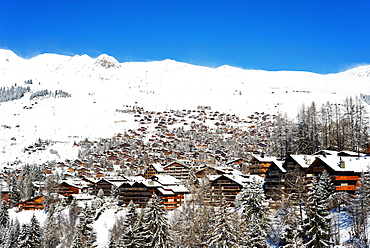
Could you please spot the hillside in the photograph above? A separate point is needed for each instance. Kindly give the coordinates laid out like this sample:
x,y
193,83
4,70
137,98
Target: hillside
x,y
73,98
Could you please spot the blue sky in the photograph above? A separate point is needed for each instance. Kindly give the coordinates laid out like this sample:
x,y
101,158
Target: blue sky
x,y
319,36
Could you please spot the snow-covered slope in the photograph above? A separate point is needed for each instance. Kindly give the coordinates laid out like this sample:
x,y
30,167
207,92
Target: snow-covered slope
x,y
100,86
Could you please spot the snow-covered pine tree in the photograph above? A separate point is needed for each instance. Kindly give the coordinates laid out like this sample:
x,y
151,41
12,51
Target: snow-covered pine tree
x,y
35,232
4,215
24,238
254,213
114,192
285,229
318,222
224,234
4,223
358,209
52,233
86,229
123,234
15,196
12,237
156,226
140,235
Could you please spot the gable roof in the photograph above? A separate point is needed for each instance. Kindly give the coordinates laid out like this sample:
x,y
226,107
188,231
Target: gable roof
x,y
303,160
239,179
351,164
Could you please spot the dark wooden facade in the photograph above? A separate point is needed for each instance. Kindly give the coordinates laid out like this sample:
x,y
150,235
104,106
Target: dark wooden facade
x,y
35,203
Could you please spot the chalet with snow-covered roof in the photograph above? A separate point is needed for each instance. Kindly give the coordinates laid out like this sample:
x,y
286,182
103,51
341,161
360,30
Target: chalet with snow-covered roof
x,y
345,172
236,163
106,185
209,170
274,181
298,163
258,165
226,187
178,169
72,186
35,203
153,169
139,190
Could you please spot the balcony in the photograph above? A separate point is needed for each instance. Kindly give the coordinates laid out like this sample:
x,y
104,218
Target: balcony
x,y
345,178
345,188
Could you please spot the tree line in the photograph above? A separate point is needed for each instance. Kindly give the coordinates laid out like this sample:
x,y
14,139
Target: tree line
x,y
340,126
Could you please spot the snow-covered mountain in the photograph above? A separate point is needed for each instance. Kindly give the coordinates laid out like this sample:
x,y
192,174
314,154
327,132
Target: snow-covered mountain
x,y
97,87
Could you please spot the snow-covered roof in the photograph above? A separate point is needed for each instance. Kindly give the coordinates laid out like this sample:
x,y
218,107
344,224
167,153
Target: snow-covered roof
x,y
4,186
136,178
240,179
228,170
158,167
358,164
166,192
167,179
178,188
76,182
151,184
352,154
304,160
326,152
281,168
265,159
83,197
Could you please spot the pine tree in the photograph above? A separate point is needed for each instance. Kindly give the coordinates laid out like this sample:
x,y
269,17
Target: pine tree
x,y
52,231
24,238
254,212
224,234
114,192
139,233
4,223
86,229
318,223
14,231
122,233
15,196
4,215
358,209
35,232
156,227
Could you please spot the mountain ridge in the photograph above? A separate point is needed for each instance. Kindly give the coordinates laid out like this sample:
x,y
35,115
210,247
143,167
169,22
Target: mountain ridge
x,y
83,97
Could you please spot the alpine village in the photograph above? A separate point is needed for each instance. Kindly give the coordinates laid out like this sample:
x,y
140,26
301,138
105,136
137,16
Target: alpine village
x,y
200,178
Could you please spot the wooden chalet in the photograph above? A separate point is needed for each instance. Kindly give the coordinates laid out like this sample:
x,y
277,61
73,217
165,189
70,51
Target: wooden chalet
x,y
209,170
67,189
226,187
258,165
177,169
172,192
295,167
35,203
139,190
106,185
135,191
345,172
274,184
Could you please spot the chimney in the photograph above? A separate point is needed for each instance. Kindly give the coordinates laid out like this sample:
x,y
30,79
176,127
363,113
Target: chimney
x,y
342,164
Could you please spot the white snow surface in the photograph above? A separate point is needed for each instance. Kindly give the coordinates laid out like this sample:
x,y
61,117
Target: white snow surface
x,y
98,90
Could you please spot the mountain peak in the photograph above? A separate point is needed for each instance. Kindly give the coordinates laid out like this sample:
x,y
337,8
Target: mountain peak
x,y
106,61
